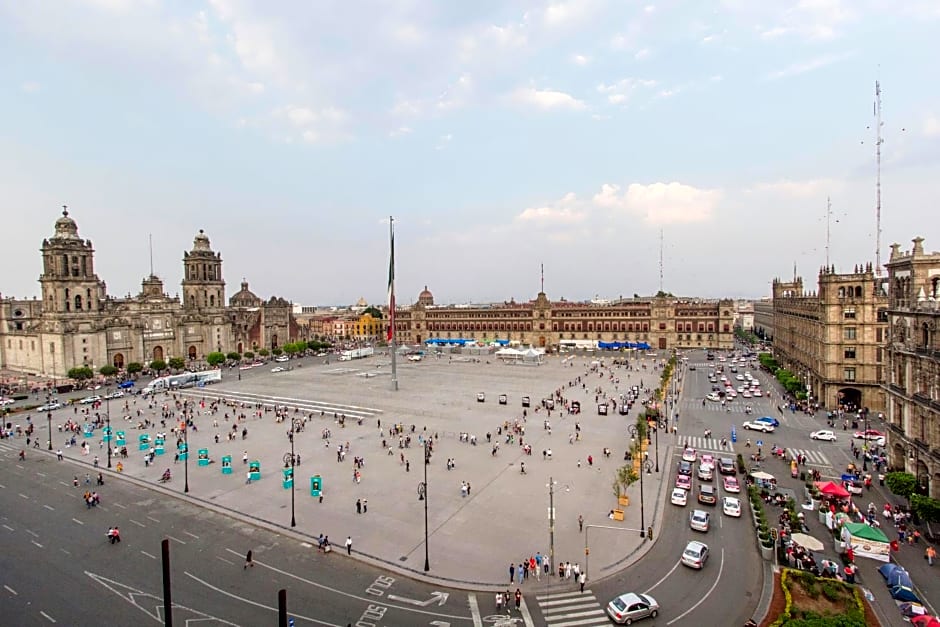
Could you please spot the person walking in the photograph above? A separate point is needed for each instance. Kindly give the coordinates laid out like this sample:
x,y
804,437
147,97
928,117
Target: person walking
x,y
518,599
580,523
248,560
582,578
348,545
358,506
930,554
512,573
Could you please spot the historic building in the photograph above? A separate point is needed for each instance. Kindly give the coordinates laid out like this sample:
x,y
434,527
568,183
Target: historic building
x,y
664,323
833,340
764,319
76,322
913,364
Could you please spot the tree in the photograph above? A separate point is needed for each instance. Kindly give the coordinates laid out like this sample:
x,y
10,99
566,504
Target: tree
x,y
901,483
301,346
215,358
158,365
925,507
290,349
108,371
623,479
234,356
276,351
374,312
249,355
177,363
134,367
263,352
81,373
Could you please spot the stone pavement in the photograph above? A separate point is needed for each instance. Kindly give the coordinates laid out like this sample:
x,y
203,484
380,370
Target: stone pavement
x,y
472,539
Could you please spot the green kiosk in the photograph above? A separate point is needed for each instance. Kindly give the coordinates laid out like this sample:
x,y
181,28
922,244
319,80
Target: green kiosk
x,y
203,457
226,464
255,469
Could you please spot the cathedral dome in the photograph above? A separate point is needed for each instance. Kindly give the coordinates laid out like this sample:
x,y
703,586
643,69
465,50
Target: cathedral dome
x,y
201,242
65,227
425,297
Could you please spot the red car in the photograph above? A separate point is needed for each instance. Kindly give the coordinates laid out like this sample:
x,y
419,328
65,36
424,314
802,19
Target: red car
x,y
684,482
731,485
871,434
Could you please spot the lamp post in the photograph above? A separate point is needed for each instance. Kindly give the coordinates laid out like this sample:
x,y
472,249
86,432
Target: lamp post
x,y
423,496
186,442
551,525
293,462
107,416
49,419
648,466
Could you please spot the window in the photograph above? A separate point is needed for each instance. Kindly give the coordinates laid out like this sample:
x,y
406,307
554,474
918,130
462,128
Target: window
x,y
849,313
849,333
849,374
879,335
849,352
882,315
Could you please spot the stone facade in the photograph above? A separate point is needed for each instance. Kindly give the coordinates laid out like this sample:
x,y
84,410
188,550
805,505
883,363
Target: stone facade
x,y
664,323
834,339
76,323
764,319
913,364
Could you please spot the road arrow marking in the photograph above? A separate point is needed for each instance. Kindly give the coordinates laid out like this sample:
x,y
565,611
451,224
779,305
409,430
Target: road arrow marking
x,y
436,596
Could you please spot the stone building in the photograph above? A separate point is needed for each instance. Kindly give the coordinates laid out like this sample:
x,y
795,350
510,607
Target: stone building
x,y
76,322
664,323
913,364
764,319
833,340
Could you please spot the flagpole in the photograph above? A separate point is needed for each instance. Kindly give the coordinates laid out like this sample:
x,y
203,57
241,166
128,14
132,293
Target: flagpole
x,y
391,303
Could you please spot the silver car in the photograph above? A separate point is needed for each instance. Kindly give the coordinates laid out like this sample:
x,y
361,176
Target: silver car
x,y
632,606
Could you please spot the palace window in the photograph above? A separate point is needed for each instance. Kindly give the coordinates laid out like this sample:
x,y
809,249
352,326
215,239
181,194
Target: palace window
x,y
849,333
849,352
849,374
849,313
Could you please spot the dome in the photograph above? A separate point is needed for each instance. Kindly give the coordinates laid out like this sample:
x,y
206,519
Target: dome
x,y
65,227
425,294
362,302
201,242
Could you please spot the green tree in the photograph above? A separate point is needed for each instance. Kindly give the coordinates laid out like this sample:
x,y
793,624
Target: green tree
x,y
81,373
134,367
623,479
925,507
108,370
901,483
301,346
215,358
276,351
158,365
290,349
263,352
234,356
177,363
374,312
249,355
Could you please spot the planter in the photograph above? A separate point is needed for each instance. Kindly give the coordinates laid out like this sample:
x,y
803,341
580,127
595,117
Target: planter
x,y
822,516
623,500
767,552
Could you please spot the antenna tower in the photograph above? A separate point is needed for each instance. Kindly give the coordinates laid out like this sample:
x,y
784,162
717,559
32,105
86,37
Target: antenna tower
x,y
150,236
878,141
828,215
542,280
660,261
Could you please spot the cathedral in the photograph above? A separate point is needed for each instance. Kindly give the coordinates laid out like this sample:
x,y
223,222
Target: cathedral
x,y
76,323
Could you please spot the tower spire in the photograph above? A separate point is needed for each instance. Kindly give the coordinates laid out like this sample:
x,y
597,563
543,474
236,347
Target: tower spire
x,y
660,260
150,237
828,215
878,141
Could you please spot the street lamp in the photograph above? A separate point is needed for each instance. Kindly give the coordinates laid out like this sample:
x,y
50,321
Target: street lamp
x,y
107,398
186,442
293,462
49,419
648,466
551,525
423,496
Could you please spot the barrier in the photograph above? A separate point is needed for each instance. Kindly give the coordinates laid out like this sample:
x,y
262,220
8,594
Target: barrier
x,y
121,441
159,445
108,434
183,451
226,464
288,480
88,430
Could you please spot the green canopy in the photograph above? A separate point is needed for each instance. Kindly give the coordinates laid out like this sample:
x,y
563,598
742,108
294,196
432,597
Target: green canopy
x,y
866,532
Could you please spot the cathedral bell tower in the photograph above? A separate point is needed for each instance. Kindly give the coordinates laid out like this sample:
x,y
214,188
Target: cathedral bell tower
x,y
203,287
69,283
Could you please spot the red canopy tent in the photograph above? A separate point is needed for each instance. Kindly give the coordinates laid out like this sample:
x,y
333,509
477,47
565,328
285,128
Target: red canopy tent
x,y
832,489
925,621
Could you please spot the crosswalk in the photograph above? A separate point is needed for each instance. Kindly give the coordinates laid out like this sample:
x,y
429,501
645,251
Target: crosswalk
x,y
700,443
305,405
734,407
813,458
572,609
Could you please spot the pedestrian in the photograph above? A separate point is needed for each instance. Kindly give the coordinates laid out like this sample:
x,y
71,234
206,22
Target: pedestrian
x,y
348,545
248,560
930,555
365,506
582,578
512,573
248,477
58,454
499,601
580,523
358,506
518,598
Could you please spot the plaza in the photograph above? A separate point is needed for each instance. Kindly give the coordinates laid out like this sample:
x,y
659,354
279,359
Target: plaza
x,y
472,538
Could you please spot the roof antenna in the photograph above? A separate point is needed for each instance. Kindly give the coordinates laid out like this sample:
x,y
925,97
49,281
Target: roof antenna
x,y
150,235
878,141
828,215
542,284
661,260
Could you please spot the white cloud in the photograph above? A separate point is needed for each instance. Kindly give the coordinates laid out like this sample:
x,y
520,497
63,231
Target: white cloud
x,y
580,59
624,89
30,87
809,66
932,126
661,203
401,131
455,95
444,141
641,54
649,8
564,211
546,99
569,13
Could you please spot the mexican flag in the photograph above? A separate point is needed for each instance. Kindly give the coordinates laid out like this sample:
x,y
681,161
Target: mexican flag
x,y
391,286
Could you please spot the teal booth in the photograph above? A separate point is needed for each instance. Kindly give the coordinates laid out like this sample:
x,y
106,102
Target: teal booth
x,y
88,430
107,434
203,459
288,481
316,485
226,464
255,469
143,441
159,445
121,441
183,451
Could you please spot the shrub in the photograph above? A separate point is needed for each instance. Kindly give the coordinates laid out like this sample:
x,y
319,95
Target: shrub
x,y
81,373
108,370
215,358
831,591
134,367
249,355
234,356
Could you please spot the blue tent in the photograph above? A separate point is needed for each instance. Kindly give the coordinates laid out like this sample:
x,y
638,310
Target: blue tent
x,y
904,593
889,572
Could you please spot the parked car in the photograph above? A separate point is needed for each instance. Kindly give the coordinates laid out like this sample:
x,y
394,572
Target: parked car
x,y
731,506
51,406
115,394
632,606
281,358
88,400
825,434
871,434
699,520
695,554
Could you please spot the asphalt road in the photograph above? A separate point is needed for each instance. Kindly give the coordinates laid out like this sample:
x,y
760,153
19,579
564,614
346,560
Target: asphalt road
x,y
58,567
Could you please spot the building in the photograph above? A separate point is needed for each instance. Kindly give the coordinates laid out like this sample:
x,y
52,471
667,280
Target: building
x,y
662,322
764,319
833,340
76,322
744,315
913,364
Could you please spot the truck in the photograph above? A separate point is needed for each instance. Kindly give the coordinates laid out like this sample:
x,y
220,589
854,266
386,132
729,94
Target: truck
x,y
357,353
184,380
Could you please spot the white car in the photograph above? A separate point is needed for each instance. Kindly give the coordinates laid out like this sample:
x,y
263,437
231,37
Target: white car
x,y
679,497
278,369
713,396
6,401
746,394
689,455
88,400
281,358
756,392
825,434
115,394
695,554
699,520
52,406
739,377
706,472
763,427
731,506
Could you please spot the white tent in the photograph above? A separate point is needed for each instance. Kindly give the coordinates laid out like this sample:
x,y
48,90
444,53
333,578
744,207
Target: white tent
x,y
533,356
509,354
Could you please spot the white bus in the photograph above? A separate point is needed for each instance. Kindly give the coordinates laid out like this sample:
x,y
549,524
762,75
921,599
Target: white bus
x,y
184,380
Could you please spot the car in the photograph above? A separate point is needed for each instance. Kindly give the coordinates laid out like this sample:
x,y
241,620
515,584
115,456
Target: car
x,y
685,468
692,367
281,358
684,482
695,554
726,466
746,394
706,472
731,484
756,392
689,455
731,506
880,441
706,494
712,396
88,400
758,426
115,394
699,520
6,401
825,434
278,369
93,386
769,420
632,606
679,497
871,434
713,379
50,406
739,377
731,394
708,458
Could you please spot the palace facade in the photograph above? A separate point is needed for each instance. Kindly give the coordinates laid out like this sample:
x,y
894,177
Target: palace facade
x,y
76,322
662,322
913,364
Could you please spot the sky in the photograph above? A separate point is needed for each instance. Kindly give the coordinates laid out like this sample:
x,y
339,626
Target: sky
x,y
593,137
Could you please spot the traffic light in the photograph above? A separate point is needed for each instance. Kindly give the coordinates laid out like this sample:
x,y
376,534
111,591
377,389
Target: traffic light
x,y
649,533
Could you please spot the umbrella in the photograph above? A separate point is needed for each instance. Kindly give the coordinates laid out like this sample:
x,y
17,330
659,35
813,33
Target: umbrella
x,y
832,489
807,542
760,474
925,621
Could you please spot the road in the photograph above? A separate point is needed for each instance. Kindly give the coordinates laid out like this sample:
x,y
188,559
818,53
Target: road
x,y
58,568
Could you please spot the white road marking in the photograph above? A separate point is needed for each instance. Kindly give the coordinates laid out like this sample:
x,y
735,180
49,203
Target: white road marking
x,y
2,486
64,483
41,474
526,616
721,567
175,539
11,590
32,533
36,543
193,535
139,524
224,560
49,507
76,520
24,496
153,557
8,527
653,587
47,617
153,519
64,551
475,610
119,505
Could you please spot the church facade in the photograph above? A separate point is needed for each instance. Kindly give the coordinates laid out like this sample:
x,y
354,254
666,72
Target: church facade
x,y
76,323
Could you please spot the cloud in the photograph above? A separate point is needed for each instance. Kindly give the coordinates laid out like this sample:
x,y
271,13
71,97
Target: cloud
x,y
30,87
546,99
563,212
401,131
572,12
809,66
444,141
621,91
312,125
932,126
580,59
641,54
661,203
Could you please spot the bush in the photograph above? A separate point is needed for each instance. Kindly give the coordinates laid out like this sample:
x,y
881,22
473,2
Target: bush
x,y
81,373
108,370
901,483
831,591
177,363
158,365
134,367
263,352
215,358
249,355
925,507
234,356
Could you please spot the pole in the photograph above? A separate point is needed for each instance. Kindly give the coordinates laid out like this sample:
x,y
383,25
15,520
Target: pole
x,y
186,460
587,551
167,600
282,608
658,425
49,420
293,478
427,563
642,509
110,437
551,525
391,303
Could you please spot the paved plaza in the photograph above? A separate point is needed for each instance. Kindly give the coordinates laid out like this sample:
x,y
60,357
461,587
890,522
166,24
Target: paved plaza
x,y
473,538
